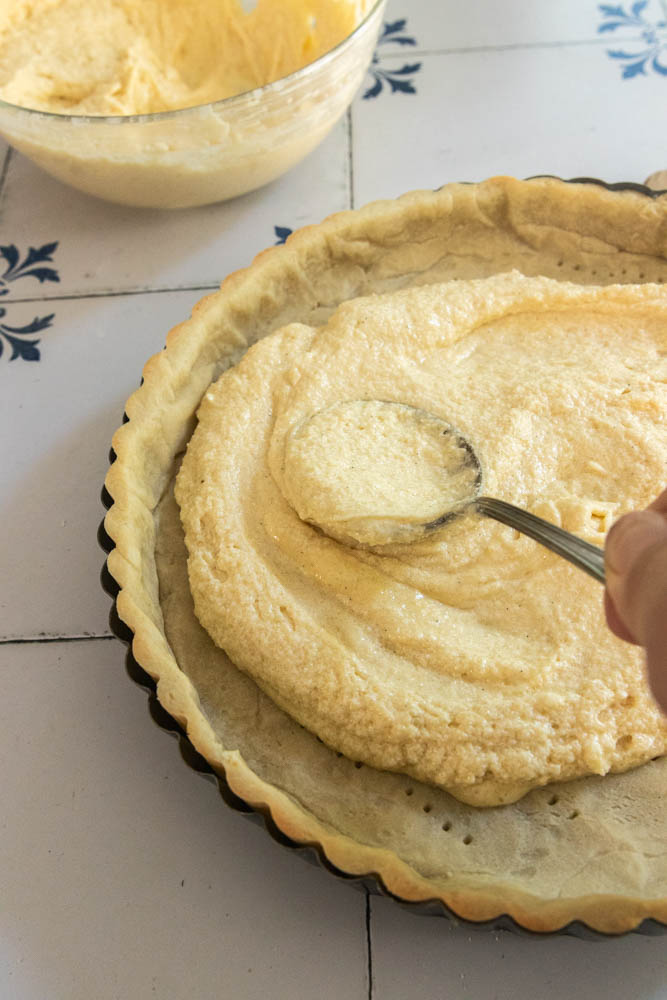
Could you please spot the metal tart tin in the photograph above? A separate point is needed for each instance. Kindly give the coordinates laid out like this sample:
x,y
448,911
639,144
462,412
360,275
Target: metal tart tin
x,y
313,853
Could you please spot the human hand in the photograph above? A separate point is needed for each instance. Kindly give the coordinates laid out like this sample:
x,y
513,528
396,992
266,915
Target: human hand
x,y
636,593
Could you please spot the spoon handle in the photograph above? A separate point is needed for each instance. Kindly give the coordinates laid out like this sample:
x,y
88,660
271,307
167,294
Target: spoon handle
x,y
588,557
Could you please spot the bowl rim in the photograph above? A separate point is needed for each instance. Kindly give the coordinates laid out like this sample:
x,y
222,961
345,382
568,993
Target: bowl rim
x,y
235,100
315,853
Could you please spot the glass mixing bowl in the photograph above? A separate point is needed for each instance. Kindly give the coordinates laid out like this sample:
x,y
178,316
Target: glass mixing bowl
x,y
203,154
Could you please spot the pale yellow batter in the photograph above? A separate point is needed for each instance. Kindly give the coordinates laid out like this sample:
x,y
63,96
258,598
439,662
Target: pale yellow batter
x,y
475,660
124,57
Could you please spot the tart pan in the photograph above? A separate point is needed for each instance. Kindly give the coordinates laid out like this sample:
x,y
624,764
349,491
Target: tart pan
x,y
313,851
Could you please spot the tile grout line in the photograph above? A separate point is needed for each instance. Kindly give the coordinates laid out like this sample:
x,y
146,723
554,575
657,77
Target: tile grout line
x,y
75,296
46,639
5,168
507,47
369,946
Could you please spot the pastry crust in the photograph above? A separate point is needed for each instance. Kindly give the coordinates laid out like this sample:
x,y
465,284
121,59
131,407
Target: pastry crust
x,y
596,852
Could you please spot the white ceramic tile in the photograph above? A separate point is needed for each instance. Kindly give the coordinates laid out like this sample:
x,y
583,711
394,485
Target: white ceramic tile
x,y
124,875
429,958
104,247
451,24
564,110
132,879
59,414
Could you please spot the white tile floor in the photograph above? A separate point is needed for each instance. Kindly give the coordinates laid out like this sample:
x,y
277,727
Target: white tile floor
x,y
128,876
64,410
484,120
121,874
477,23
415,957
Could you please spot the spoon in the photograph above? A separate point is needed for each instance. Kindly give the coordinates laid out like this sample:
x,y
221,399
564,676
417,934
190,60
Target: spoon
x,y
584,555
400,473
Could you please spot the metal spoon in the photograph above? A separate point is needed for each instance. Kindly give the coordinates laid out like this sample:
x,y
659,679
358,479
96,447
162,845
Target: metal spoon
x,y
584,555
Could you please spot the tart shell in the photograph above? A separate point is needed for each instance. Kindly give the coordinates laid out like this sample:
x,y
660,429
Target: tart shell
x,y
574,230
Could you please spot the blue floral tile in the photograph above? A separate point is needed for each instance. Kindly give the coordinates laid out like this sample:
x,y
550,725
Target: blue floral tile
x,y
538,109
32,264
58,419
396,79
19,342
105,247
281,233
646,53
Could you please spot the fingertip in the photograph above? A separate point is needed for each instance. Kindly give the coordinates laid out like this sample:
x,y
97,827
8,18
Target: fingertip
x,y
630,536
656,655
614,620
660,503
